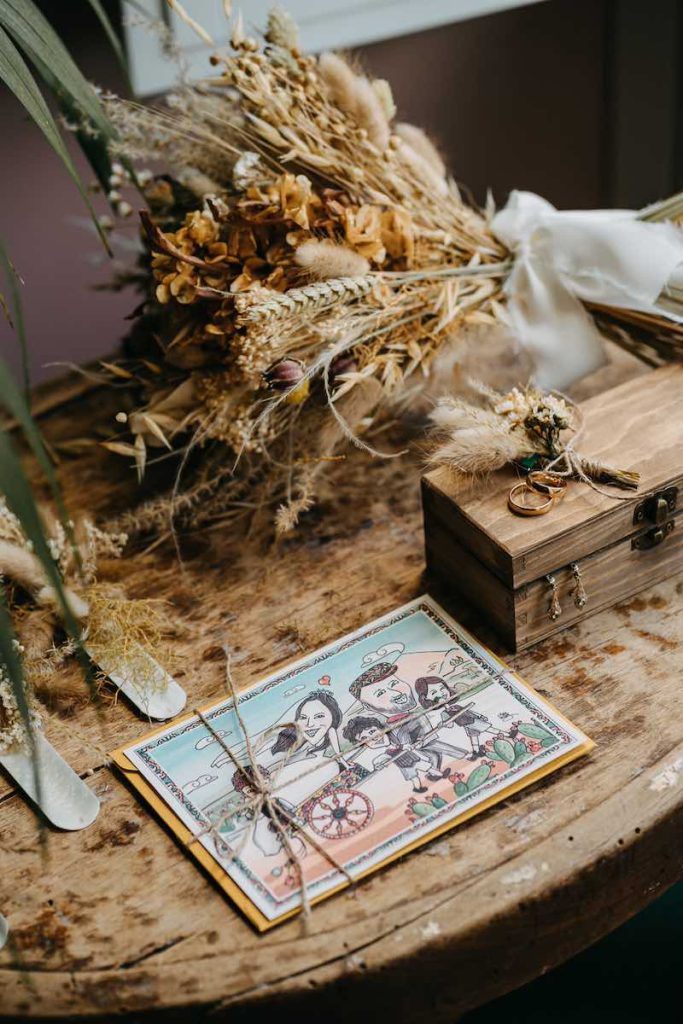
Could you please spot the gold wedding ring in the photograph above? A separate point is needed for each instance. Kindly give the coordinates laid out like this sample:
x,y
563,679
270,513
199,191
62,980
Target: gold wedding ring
x,y
547,483
521,508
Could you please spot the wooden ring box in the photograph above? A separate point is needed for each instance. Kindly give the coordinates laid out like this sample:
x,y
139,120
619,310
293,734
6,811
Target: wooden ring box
x,y
499,561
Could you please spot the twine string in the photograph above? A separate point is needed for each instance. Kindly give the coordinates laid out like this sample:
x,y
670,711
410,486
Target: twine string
x,y
577,465
264,789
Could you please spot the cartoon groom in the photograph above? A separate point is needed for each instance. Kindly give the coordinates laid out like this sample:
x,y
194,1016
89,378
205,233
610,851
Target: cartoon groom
x,y
380,690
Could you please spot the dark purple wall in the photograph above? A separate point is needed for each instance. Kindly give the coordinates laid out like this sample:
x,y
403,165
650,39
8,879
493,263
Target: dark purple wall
x,y
516,100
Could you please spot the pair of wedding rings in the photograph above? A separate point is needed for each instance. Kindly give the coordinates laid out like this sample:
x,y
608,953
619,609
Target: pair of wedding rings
x,y
538,494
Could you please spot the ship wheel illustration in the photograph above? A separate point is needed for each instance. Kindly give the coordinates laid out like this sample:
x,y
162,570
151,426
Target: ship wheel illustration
x,y
339,813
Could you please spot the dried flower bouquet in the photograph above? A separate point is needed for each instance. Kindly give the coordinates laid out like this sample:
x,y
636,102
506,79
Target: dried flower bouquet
x,y
307,259
306,262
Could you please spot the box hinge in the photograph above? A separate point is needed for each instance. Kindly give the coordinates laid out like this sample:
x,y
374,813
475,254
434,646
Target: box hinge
x,y
657,508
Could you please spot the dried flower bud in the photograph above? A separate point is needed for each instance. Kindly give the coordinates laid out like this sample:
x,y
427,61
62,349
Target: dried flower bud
x,y
300,393
342,364
284,375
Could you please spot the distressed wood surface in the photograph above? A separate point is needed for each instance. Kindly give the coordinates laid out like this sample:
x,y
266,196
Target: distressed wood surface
x,y
116,919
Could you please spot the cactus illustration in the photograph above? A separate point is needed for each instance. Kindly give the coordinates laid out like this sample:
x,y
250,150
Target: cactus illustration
x,y
438,801
460,788
421,809
535,732
521,754
549,741
478,776
504,750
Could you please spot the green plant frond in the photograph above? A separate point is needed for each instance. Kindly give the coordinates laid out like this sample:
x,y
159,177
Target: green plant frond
x,y
93,144
11,661
31,30
113,38
9,656
17,406
16,318
16,489
15,74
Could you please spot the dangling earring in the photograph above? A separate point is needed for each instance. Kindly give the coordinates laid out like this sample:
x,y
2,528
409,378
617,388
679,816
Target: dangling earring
x,y
554,608
580,595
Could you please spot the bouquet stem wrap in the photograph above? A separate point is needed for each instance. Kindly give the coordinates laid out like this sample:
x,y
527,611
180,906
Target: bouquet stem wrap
x,y
564,259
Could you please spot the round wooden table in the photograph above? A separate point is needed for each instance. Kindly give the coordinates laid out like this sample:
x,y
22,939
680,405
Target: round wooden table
x,y
117,919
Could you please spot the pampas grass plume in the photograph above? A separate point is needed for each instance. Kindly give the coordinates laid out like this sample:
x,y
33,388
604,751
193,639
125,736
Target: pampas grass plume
x,y
22,566
472,441
357,96
423,171
282,29
324,260
386,97
339,79
475,451
370,114
420,142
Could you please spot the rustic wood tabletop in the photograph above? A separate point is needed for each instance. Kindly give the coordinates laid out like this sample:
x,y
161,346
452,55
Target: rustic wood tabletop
x,y
117,919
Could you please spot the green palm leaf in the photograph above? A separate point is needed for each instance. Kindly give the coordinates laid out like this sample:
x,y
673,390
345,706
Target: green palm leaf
x,y
9,657
113,38
17,406
16,319
16,75
35,35
16,489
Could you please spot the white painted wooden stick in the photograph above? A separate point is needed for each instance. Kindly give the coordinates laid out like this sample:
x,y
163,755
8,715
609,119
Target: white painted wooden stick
x,y
62,796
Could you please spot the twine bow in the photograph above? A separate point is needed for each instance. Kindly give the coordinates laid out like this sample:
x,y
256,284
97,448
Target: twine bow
x,y
568,462
265,802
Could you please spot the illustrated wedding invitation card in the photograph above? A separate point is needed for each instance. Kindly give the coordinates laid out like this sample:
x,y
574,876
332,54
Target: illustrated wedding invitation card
x,y
337,764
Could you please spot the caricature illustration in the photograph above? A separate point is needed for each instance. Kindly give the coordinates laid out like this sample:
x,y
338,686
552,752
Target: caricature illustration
x,y
432,692
378,739
376,751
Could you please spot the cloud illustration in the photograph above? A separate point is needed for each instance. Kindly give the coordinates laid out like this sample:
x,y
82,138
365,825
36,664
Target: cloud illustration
x,y
293,689
206,741
201,780
389,652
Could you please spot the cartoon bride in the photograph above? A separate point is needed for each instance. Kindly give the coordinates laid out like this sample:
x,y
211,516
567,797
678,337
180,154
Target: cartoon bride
x,y
311,748
307,757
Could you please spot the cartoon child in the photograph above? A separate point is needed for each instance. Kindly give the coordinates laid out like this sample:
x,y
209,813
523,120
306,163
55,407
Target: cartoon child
x,y
380,690
377,751
267,835
432,690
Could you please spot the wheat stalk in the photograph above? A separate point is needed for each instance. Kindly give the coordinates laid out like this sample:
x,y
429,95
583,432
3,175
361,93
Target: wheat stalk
x,y
320,295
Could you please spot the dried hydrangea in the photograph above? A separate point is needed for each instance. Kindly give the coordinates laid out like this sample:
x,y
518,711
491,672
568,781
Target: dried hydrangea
x,y
541,413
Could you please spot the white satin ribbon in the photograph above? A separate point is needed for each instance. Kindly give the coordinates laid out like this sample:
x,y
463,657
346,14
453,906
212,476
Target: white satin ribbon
x,y
565,256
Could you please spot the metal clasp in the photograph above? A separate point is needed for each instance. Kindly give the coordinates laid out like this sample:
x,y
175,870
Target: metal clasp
x,y
657,508
651,538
